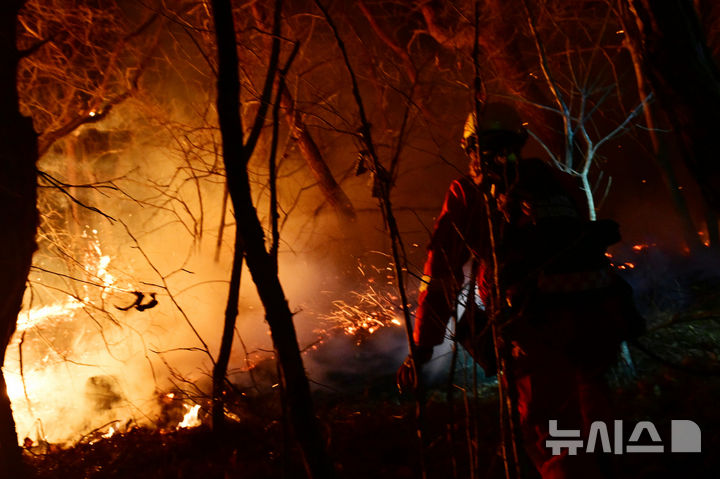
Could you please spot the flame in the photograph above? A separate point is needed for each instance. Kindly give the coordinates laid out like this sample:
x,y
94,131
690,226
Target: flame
x,y
53,339
110,432
191,417
96,265
14,386
43,314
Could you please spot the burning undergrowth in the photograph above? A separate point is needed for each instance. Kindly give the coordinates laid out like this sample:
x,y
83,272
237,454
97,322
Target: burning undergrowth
x,y
100,353
79,367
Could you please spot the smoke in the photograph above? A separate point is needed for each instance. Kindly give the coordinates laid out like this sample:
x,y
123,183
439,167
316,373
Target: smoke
x,y
156,166
99,361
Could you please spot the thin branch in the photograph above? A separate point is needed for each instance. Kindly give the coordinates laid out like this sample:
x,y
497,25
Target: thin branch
x,y
93,114
627,120
552,155
267,88
60,186
221,228
557,94
403,54
36,46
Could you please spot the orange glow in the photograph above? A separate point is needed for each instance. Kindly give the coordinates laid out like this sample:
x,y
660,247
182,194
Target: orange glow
x,y
42,332
640,247
45,314
191,417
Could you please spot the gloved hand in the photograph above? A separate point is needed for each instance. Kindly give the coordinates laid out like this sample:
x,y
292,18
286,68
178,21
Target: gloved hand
x,y
406,379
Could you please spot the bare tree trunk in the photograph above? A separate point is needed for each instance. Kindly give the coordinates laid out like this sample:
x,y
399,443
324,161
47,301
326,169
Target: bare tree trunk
x,y
685,79
18,218
262,270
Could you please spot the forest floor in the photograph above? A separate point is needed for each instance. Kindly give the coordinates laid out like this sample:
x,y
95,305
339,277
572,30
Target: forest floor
x,y
373,435
371,429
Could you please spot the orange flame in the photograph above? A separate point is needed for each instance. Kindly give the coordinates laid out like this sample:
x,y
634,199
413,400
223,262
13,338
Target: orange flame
x,y
191,417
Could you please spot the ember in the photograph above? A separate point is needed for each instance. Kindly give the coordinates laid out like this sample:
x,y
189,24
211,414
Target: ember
x,y
371,312
367,311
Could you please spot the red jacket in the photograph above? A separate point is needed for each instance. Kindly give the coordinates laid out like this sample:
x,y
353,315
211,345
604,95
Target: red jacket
x,y
535,218
460,232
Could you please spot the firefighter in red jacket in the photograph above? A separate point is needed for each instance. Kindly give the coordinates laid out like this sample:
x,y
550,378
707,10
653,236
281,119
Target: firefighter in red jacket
x,y
564,311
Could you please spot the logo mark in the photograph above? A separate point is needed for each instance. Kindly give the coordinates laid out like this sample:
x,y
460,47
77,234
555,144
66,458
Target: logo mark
x,y
685,436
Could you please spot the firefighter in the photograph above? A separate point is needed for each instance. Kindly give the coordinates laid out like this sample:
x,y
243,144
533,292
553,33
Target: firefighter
x,y
563,311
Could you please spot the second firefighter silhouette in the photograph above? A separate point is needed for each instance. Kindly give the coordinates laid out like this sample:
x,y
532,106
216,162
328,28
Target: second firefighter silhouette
x,y
563,310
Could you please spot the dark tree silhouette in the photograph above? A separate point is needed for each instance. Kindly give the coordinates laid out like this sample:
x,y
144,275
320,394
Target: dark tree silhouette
x,y
18,216
685,80
250,235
